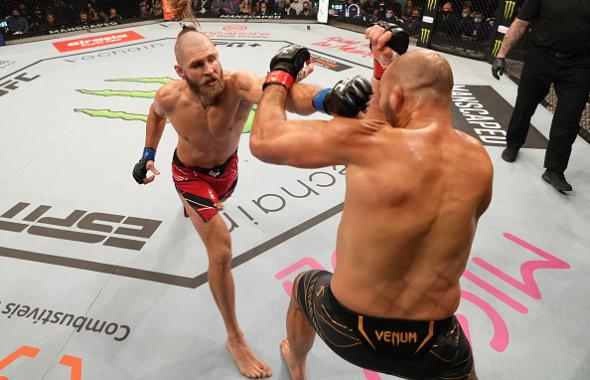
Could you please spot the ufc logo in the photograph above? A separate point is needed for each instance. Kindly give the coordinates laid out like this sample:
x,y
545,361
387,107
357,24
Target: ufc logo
x,y
12,84
80,226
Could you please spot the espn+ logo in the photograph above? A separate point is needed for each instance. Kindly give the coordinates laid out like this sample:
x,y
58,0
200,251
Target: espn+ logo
x,y
111,230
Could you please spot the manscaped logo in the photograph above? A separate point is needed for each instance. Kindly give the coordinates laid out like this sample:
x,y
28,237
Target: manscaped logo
x,y
134,94
81,226
95,41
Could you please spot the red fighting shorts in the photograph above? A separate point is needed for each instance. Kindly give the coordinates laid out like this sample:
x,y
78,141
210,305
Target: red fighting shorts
x,y
204,188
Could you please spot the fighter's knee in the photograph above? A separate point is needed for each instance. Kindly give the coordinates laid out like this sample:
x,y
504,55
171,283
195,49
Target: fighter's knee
x,y
220,258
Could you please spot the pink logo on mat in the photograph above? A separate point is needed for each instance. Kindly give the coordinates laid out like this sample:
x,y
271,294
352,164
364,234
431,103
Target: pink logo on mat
x,y
501,334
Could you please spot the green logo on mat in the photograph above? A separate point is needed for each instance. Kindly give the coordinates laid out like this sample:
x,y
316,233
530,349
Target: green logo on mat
x,y
136,94
509,9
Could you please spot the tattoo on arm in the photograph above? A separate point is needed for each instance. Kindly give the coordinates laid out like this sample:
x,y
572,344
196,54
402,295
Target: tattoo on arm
x,y
512,36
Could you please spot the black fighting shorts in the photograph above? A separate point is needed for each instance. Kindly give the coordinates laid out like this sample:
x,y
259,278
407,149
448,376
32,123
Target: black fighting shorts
x,y
405,348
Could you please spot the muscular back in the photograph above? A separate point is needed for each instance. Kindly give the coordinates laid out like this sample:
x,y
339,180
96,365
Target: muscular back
x,y
409,219
207,136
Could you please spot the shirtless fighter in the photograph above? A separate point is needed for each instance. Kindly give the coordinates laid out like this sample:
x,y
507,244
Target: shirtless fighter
x,y
415,189
208,108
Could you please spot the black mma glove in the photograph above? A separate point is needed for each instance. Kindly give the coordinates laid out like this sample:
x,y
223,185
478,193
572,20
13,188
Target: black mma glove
x,y
498,67
139,170
400,40
286,65
347,98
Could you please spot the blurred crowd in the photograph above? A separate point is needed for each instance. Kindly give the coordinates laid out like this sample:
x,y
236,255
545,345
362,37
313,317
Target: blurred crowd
x,y
287,8
469,20
43,16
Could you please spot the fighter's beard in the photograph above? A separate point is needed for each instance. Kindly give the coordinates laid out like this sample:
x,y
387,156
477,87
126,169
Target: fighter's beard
x,y
205,93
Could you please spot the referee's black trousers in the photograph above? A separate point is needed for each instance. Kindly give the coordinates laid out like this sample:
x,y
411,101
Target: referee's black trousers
x,y
571,79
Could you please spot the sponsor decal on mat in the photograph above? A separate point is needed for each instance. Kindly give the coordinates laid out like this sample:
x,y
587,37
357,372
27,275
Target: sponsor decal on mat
x,y
97,41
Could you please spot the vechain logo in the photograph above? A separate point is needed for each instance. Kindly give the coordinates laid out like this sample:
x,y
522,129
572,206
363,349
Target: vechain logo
x,y
108,113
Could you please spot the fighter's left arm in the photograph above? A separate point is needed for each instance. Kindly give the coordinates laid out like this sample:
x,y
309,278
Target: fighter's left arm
x,y
299,101
307,143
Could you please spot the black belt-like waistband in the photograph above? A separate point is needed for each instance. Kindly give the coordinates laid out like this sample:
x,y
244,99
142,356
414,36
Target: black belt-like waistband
x,y
560,55
421,326
215,172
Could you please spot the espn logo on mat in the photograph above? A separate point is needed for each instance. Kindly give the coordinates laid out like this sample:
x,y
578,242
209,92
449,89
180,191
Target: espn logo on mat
x,y
97,41
81,226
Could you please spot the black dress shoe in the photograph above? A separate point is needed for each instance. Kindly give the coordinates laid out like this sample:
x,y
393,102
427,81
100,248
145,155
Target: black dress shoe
x,y
557,180
509,154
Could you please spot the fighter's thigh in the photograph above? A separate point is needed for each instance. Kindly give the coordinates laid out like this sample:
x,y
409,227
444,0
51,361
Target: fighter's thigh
x,y
214,233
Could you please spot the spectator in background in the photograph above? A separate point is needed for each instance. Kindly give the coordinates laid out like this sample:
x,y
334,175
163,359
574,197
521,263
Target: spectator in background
x,y
278,7
83,19
288,9
297,5
156,7
476,29
93,16
263,9
37,21
113,15
306,11
446,22
466,18
407,10
369,7
17,24
143,10
24,12
245,7
390,15
353,11
412,24
51,23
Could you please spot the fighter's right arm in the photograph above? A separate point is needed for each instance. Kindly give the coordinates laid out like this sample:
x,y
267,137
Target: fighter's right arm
x,y
513,35
383,56
156,121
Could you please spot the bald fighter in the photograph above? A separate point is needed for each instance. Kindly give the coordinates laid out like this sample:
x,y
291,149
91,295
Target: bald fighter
x,y
208,108
415,190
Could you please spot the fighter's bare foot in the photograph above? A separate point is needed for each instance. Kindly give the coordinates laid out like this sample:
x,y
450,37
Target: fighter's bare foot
x,y
248,364
296,371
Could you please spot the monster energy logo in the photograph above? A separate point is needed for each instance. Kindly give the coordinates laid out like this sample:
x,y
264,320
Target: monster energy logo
x,y
430,5
497,44
135,94
424,35
509,9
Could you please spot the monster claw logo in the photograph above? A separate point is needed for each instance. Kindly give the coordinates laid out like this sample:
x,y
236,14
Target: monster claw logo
x,y
509,9
424,35
497,44
431,4
134,94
